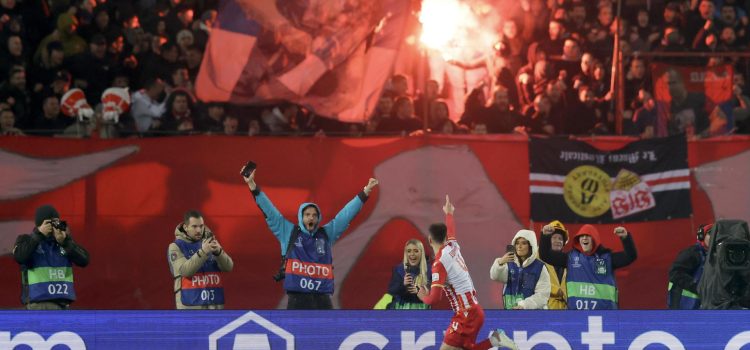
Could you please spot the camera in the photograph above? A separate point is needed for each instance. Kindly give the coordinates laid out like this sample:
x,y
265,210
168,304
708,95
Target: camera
x,y
734,255
725,283
60,225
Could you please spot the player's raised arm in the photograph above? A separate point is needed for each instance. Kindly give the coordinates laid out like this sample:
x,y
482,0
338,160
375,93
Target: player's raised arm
x,y
448,209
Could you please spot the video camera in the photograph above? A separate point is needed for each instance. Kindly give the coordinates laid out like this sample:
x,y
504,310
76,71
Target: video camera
x,y
725,283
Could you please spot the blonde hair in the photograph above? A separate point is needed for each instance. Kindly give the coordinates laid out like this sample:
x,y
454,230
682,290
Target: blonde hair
x,y
421,279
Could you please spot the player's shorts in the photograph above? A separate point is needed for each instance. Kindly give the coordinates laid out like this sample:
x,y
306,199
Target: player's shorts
x,y
464,327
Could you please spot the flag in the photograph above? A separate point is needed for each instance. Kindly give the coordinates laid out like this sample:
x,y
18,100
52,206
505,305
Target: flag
x,y
572,181
330,56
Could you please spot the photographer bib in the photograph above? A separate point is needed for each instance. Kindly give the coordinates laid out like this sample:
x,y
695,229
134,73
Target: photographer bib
x,y
309,267
50,274
206,286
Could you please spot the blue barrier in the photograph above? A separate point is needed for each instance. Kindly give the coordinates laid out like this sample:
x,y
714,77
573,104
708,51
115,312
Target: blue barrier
x,y
366,330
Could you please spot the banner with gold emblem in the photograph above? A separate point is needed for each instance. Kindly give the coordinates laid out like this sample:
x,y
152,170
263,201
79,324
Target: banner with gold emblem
x,y
572,181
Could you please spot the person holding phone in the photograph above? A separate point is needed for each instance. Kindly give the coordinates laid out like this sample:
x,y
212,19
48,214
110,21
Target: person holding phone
x,y
525,276
307,246
197,262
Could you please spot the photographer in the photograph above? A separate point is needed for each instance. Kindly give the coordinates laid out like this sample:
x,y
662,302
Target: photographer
x,y
725,283
307,246
197,260
46,257
686,271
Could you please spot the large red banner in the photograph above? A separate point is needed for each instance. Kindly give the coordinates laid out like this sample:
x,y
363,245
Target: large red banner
x,y
123,199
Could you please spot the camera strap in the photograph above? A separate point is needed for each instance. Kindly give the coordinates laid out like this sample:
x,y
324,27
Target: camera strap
x,y
292,238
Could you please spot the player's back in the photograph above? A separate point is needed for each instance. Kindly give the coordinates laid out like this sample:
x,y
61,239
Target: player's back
x,y
458,287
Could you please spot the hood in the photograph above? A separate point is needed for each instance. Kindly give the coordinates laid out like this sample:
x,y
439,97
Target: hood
x,y
299,217
180,233
591,231
531,237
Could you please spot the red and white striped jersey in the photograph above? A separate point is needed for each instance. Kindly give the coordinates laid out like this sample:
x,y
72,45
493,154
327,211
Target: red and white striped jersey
x,y
449,271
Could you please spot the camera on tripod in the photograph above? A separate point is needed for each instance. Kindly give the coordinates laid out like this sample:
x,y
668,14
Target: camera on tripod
x,y
725,283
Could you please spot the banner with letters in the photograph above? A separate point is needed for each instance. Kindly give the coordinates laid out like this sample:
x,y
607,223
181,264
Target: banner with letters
x,y
572,181
384,330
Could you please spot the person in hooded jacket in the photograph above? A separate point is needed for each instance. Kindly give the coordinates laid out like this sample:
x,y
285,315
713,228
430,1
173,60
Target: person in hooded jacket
x,y
558,294
526,279
591,277
309,263
197,260
686,272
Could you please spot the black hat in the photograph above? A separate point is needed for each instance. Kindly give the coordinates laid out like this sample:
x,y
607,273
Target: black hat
x,y
45,212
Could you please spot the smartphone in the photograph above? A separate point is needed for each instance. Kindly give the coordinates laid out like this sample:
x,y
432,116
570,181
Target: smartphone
x,y
510,248
248,169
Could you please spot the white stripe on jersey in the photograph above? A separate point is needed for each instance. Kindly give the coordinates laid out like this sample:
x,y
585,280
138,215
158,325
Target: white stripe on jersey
x,y
458,285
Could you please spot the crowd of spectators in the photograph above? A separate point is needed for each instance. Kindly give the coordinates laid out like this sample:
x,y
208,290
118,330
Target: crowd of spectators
x,y
551,73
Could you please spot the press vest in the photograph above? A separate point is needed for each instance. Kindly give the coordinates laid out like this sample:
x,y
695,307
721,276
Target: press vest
x,y
521,282
309,267
591,282
688,299
49,276
205,287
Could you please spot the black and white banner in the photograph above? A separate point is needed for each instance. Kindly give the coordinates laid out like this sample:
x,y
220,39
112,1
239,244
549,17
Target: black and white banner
x,y
572,181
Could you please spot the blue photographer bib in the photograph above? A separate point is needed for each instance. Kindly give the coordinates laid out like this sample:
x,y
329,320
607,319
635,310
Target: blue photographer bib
x,y
205,287
521,282
309,267
49,275
591,282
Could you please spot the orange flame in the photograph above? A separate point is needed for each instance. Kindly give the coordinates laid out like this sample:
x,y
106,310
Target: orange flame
x,y
459,30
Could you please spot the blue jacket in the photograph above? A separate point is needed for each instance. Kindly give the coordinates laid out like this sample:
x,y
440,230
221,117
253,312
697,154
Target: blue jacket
x,y
309,267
